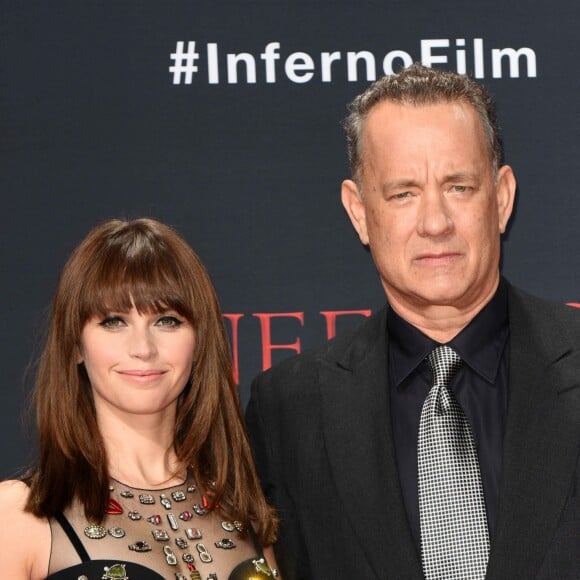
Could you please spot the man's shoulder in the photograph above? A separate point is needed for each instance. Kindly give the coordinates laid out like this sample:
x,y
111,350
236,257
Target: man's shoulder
x,y
543,310
544,319
348,344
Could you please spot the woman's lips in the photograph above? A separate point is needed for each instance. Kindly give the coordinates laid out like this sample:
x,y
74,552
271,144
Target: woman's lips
x,y
142,376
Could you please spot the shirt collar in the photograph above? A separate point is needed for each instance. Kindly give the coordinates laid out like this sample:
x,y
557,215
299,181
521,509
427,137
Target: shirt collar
x,y
480,344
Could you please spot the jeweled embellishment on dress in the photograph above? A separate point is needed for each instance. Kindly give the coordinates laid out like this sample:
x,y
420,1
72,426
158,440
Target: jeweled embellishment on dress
x,y
193,533
117,532
140,546
199,510
115,572
204,555
160,535
113,507
95,532
225,543
146,499
175,548
262,568
172,522
170,556
185,516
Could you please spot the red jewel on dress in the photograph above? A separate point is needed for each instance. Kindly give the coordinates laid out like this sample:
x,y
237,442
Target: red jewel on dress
x,y
206,502
114,507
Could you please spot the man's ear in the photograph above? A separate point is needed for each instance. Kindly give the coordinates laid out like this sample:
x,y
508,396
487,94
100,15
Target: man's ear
x,y
354,206
506,195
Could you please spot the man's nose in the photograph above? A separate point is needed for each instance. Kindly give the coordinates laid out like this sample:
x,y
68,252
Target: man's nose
x,y
434,216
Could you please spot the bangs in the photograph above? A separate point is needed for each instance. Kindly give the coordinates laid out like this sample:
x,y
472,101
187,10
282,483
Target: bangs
x,y
141,275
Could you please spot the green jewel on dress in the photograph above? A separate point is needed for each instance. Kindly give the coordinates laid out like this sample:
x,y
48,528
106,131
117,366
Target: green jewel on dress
x,y
262,568
115,572
256,569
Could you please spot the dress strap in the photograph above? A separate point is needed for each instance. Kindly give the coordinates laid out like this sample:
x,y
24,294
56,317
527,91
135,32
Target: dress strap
x,y
256,542
73,537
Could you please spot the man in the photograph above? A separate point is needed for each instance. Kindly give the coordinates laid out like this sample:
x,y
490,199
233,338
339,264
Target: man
x,y
349,439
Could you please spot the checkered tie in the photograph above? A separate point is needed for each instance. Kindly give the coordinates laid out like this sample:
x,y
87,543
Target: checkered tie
x,y
454,537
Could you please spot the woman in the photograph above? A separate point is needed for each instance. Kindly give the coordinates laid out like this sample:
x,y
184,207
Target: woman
x,y
144,467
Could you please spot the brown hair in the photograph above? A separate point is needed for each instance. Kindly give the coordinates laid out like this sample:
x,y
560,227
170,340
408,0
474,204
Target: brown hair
x,y
420,85
145,263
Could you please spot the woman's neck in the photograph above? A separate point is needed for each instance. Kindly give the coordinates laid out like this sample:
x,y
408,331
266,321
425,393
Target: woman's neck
x,y
140,449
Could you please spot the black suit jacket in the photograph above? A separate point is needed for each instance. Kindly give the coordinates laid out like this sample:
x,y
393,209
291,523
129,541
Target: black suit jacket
x,y
321,429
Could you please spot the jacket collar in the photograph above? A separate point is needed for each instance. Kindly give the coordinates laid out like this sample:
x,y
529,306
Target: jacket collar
x,y
358,436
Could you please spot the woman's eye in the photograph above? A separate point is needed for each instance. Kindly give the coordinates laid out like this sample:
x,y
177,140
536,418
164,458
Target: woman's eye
x,y
169,322
112,322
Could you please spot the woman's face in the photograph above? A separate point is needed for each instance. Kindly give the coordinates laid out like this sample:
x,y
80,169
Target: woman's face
x,y
137,363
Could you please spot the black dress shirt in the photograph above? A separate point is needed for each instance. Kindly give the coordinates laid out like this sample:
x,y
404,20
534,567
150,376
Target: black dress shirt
x,y
480,387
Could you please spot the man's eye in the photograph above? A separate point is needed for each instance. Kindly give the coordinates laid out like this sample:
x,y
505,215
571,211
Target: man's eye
x,y
112,322
402,195
169,322
459,188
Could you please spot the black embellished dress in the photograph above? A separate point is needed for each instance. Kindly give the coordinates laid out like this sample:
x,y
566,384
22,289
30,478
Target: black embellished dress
x,y
152,534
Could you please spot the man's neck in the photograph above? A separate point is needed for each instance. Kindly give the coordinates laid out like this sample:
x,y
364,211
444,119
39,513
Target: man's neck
x,y
439,322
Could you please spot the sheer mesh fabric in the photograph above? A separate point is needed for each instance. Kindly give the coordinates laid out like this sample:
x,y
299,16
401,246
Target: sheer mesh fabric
x,y
116,549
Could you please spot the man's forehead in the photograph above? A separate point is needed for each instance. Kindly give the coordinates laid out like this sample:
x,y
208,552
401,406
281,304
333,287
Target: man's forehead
x,y
398,111
402,140
401,120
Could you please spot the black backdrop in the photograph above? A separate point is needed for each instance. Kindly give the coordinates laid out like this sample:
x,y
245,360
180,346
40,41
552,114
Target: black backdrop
x,y
94,125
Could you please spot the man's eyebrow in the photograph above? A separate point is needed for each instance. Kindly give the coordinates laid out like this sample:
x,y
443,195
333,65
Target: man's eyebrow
x,y
457,176
397,183
461,176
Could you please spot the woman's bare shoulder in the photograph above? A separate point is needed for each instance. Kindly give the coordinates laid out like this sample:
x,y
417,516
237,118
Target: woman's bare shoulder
x,y
13,490
13,498
24,538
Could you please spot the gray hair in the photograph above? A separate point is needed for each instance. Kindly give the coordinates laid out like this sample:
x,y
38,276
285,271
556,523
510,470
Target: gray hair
x,y
420,85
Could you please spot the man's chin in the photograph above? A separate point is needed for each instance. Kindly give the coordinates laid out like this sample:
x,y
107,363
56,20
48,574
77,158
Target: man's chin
x,y
444,294
432,295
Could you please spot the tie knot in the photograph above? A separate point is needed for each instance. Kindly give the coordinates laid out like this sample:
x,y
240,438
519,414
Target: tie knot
x,y
444,362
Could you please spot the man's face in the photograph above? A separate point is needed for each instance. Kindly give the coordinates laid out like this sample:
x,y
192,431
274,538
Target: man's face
x,y
430,209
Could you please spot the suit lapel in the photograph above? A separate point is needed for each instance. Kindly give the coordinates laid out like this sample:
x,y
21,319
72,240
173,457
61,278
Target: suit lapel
x,y
358,436
541,443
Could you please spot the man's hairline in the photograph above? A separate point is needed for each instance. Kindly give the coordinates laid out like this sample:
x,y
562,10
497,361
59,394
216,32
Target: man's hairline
x,y
357,174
